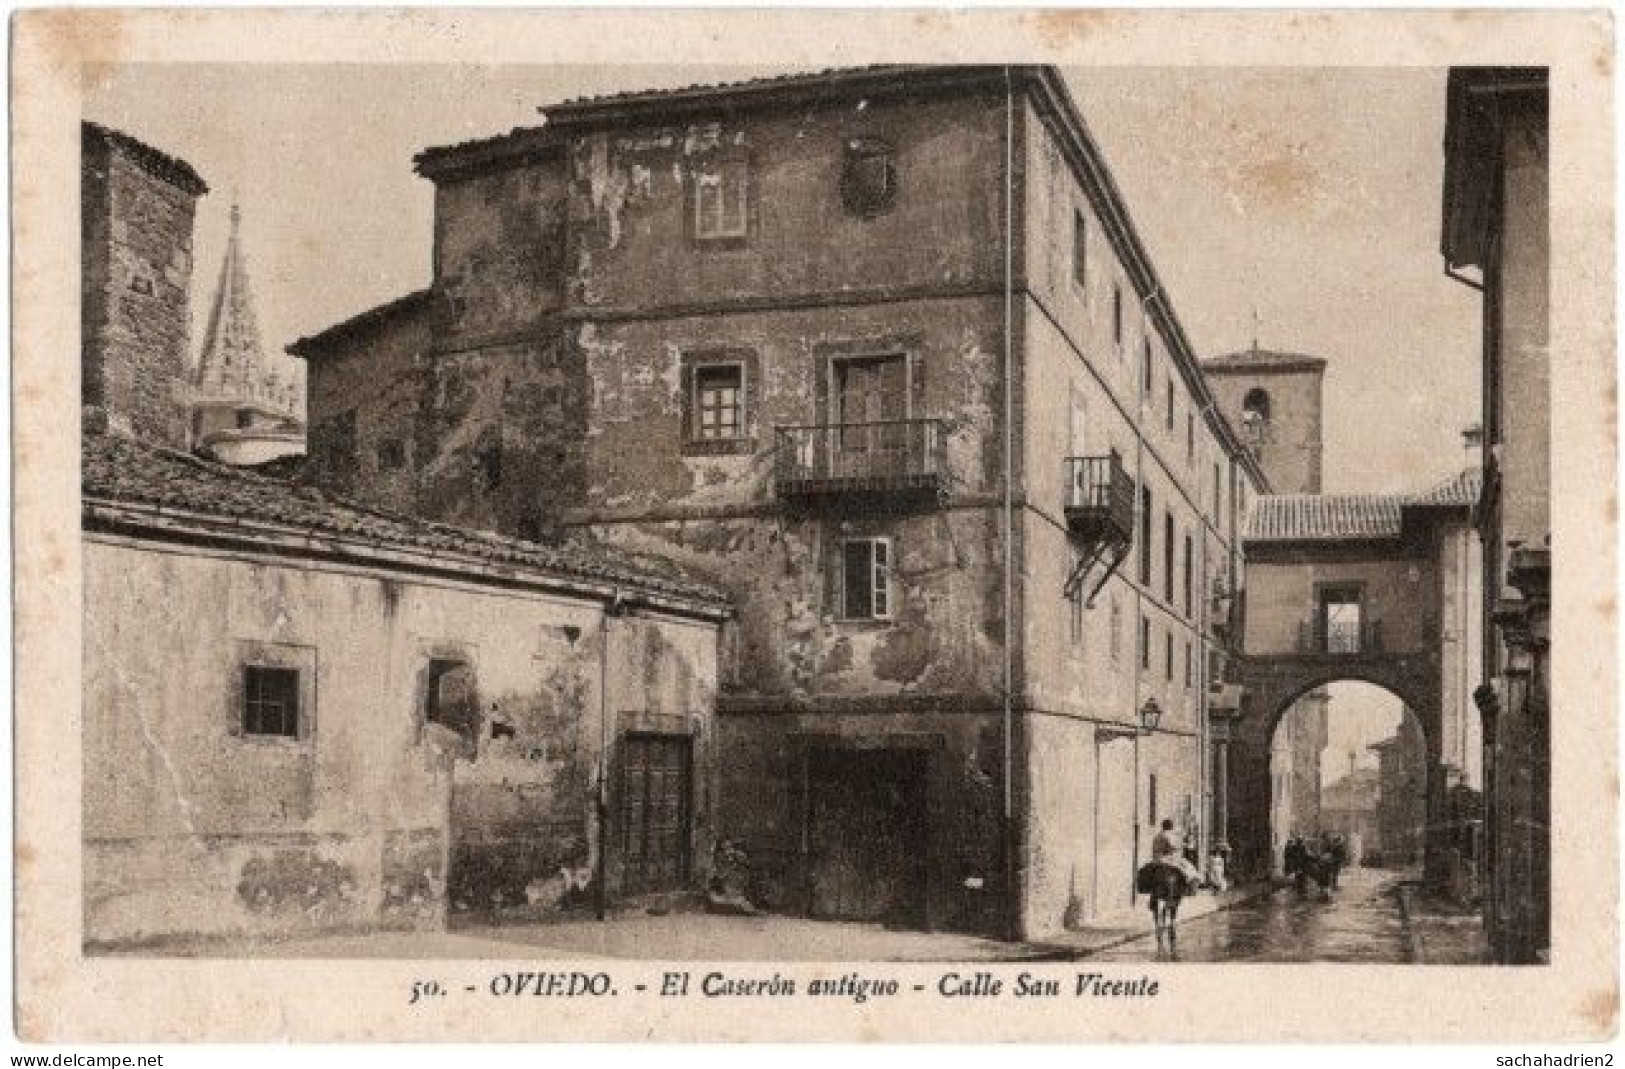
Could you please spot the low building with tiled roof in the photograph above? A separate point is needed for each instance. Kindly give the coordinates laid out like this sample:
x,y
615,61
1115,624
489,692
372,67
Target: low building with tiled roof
x,y
1346,517
303,715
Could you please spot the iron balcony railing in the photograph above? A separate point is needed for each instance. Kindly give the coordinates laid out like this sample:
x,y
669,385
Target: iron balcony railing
x,y
1099,496
901,456
1339,638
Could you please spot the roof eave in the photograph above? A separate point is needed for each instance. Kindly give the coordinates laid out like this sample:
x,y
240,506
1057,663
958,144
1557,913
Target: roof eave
x,y
166,523
323,343
790,90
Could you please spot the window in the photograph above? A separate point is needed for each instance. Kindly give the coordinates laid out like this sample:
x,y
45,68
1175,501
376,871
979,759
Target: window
x,y
1168,654
1151,806
719,402
1117,315
270,700
868,177
1218,483
1190,665
866,579
1168,558
245,418
391,454
1169,419
1075,607
721,201
1190,436
1080,250
1341,620
1145,536
1145,367
1145,642
1117,629
449,699
1074,599
1255,417
1188,565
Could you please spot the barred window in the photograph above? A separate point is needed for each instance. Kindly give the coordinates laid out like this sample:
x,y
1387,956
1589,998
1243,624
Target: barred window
x,y
270,700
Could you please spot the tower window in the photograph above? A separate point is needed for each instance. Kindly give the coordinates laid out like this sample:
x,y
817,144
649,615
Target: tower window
x,y
1255,415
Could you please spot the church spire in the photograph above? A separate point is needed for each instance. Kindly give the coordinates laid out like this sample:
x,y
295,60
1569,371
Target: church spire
x,y
232,367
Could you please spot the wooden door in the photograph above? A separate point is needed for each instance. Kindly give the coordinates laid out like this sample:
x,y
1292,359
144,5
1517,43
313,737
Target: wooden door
x,y
867,841
655,810
871,401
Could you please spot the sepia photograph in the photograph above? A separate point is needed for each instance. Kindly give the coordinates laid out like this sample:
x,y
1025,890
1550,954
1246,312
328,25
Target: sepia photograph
x,y
832,520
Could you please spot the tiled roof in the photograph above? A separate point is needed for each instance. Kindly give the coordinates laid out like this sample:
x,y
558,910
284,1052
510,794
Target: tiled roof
x,y
1262,360
122,472
171,169
1333,517
520,143
315,344
778,81
1312,517
1461,489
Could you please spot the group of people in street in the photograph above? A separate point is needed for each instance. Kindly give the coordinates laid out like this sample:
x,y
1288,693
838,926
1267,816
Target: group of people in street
x,y
1320,858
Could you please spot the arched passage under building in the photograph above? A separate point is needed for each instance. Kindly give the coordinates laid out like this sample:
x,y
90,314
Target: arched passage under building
x,y
1364,587
1349,761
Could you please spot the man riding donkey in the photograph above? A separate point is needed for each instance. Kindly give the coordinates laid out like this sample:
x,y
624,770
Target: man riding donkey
x,y
1167,878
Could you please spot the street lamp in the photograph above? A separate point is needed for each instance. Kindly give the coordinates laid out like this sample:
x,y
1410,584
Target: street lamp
x,y
1150,717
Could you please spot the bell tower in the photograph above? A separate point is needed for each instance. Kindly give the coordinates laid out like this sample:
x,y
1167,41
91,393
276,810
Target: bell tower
x,y
1273,400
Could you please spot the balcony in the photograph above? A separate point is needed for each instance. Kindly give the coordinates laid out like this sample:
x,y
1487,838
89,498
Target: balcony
x,y
885,464
1099,499
1339,638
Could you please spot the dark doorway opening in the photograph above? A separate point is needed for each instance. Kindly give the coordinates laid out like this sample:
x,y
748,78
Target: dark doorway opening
x,y
867,835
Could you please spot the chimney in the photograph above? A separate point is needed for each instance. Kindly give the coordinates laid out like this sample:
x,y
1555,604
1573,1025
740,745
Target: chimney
x,y
135,286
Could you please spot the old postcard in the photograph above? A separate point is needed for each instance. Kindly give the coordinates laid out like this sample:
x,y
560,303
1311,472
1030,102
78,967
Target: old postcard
x,y
861,525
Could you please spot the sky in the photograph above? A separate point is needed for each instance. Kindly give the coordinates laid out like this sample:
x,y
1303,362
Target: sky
x,y
1305,200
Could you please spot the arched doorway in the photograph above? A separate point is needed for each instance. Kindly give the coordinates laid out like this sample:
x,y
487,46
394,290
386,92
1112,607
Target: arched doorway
x,y
1349,759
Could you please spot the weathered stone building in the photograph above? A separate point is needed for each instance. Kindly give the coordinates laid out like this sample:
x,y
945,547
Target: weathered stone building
x,y
246,409
1401,790
358,720
1295,756
1346,587
882,352
1274,399
1495,237
137,206
1348,807
301,714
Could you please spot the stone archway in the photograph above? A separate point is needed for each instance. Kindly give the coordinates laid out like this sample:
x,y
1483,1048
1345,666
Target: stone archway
x,y
1271,686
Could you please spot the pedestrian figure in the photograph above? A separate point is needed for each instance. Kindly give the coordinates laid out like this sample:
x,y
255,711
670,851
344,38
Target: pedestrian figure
x,y
1293,861
1339,857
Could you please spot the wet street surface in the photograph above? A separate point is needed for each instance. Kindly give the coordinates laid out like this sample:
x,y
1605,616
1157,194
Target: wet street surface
x,y
1361,923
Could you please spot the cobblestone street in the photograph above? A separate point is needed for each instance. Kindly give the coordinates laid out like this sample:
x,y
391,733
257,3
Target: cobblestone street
x,y
1361,923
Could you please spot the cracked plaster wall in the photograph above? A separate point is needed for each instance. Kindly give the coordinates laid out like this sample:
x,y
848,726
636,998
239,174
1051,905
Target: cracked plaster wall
x,y
193,830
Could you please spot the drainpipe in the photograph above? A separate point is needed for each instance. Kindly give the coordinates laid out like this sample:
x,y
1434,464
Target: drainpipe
x,y
1011,883
616,607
